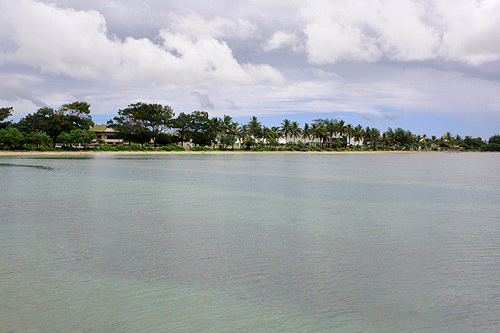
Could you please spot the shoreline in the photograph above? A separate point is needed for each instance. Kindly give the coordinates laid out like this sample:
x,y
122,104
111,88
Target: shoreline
x,y
215,152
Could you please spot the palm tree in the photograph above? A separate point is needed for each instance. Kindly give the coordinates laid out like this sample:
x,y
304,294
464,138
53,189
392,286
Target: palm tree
x,y
389,137
254,128
295,130
242,133
318,131
349,130
366,135
357,133
374,136
306,132
269,135
341,128
286,127
331,129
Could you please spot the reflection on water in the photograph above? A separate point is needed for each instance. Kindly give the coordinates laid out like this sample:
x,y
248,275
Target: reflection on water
x,y
251,242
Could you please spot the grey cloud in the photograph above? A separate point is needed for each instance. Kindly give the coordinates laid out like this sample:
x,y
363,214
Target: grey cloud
x,y
232,105
204,100
392,117
365,117
10,91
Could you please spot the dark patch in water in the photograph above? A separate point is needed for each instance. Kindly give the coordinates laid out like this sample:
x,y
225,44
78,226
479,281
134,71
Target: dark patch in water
x,y
26,166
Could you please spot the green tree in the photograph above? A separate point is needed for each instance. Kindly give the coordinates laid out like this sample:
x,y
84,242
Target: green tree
x,y
357,134
306,132
493,143
295,130
71,116
139,120
39,139
11,137
255,128
76,115
227,140
494,139
196,127
286,129
4,114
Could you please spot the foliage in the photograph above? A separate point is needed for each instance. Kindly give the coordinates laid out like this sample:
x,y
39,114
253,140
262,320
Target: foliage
x,y
492,147
70,117
196,127
142,122
4,114
227,140
76,136
39,139
472,143
495,139
200,148
173,148
165,139
11,137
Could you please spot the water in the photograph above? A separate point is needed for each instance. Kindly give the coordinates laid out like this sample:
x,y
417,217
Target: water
x,y
315,242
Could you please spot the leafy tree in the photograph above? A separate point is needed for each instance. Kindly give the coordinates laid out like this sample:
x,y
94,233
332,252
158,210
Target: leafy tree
x,y
494,139
196,127
139,121
473,143
129,132
64,138
44,120
202,128
11,137
4,114
38,139
493,143
71,116
166,139
227,140
76,115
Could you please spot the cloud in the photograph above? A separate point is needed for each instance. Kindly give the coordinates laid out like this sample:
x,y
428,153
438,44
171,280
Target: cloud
x,y
218,27
282,39
232,105
365,117
391,116
471,30
77,44
204,100
402,30
13,88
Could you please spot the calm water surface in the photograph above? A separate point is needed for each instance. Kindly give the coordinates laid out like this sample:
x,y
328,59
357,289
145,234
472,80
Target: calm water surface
x,y
354,243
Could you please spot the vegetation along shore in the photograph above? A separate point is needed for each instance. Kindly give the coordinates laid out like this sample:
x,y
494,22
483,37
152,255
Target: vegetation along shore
x,y
142,127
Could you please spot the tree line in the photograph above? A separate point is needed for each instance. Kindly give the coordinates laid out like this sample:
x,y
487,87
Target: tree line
x,y
156,125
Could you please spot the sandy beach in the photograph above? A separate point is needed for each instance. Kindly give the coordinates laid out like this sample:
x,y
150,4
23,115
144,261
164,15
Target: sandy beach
x,y
214,152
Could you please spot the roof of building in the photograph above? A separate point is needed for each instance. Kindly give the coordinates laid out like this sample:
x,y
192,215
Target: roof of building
x,y
102,128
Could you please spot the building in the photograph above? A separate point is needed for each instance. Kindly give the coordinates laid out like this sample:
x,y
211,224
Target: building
x,y
105,135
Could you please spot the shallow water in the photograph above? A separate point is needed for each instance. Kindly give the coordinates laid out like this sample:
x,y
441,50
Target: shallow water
x,y
365,242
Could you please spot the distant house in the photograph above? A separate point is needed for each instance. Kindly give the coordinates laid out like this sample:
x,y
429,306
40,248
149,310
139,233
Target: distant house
x,y
105,134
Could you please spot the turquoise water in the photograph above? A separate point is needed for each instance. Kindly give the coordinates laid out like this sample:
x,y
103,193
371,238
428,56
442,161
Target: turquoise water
x,y
314,242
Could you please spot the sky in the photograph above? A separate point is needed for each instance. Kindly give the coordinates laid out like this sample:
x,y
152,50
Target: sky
x,y
428,66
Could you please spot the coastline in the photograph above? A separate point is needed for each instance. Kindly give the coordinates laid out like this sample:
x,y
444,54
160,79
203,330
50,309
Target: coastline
x,y
215,152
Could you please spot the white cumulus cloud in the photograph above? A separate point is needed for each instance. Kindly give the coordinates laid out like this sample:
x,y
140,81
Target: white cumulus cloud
x,y
281,39
402,30
77,44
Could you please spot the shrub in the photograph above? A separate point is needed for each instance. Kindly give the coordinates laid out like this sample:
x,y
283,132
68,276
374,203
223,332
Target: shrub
x,y
173,148
200,148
